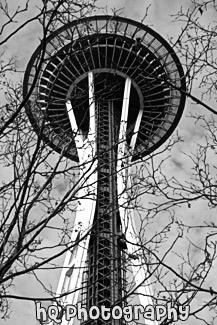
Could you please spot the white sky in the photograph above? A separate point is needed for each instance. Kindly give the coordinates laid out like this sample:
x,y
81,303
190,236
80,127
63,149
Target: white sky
x,y
160,20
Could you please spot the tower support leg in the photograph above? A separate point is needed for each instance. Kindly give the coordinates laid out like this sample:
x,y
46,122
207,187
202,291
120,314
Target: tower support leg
x,y
72,272
140,274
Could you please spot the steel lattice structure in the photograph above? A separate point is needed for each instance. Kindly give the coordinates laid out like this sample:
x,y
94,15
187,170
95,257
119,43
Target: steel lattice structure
x,y
110,90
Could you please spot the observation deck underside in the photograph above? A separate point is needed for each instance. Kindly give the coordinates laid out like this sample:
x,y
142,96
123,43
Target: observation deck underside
x,y
113,48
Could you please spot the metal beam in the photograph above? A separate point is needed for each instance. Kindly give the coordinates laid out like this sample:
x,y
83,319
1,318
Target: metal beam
x,y
136,129
124,117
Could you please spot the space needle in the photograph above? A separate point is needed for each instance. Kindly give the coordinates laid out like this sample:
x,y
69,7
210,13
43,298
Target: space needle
x,y
108,92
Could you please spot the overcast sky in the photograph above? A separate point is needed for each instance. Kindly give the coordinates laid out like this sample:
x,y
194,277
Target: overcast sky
x,y
159,18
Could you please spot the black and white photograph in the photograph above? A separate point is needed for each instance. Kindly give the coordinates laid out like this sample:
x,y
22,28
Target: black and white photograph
x,y
108,162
